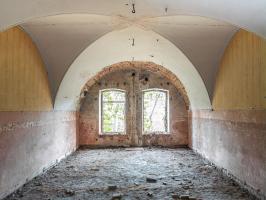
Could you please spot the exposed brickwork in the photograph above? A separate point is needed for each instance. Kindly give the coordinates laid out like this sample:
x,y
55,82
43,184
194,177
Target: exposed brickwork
x,y
146,75
157,69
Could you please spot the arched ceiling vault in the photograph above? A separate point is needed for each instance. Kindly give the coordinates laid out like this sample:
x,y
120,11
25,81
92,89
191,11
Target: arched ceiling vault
x,y
61,34
130,44
250,15
62,38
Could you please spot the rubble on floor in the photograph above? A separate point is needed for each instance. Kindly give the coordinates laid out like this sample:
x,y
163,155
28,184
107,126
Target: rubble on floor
x,y
140,173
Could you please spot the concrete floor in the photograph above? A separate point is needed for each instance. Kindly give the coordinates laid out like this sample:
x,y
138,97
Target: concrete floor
x,y
137,173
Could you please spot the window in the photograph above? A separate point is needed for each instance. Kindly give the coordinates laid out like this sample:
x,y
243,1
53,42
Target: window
x,y
112,111
155,117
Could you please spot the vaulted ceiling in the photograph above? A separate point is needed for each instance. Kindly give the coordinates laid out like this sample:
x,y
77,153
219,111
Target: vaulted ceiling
x,y
62,29
62,38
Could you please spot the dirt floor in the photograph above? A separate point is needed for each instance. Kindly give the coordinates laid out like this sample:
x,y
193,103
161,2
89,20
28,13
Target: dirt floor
x,y
135,173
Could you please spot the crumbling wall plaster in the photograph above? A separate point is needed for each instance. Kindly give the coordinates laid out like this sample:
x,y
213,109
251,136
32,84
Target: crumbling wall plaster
x,y
31,142
133,77
234,141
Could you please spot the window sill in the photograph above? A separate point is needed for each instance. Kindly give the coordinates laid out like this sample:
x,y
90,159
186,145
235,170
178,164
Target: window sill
x,y
156,133
111,134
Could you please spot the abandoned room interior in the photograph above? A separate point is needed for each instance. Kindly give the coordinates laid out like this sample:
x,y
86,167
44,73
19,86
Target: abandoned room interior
x,y
133,99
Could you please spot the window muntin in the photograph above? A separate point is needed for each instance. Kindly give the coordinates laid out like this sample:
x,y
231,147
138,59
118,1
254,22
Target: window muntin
x,y
155,111
112,111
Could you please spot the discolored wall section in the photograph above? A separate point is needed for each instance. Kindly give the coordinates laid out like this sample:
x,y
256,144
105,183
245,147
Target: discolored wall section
x,y
24,83
32,136
234,141
133,77
233,135
31,142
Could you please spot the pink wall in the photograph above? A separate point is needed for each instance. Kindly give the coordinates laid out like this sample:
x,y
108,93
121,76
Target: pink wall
x,y
234,141
31,142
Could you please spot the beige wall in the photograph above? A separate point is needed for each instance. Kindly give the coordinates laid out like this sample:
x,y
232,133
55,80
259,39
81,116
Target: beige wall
x,y
241,79
23,80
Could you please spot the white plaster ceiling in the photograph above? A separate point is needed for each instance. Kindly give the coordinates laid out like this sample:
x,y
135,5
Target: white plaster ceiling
x,y
247,14
62,38
117,46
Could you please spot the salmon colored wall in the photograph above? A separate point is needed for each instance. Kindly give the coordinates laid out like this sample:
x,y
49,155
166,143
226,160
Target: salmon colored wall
x,y
241,79
24,83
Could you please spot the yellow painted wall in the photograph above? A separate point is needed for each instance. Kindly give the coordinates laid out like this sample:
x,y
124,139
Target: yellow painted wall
x,y
24,84
241,79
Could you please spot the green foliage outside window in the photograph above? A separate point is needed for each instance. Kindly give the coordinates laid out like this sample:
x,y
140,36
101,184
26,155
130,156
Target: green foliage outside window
x,y
155,111
113,111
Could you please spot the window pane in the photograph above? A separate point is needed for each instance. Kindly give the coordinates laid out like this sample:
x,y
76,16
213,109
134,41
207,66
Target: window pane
x,y
155,111
113,119
114,95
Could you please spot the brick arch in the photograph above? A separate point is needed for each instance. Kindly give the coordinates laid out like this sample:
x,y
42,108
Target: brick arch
x,y
155,68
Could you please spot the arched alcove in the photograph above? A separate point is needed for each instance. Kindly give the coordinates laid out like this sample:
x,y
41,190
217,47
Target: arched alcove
x,y
123,123
129,65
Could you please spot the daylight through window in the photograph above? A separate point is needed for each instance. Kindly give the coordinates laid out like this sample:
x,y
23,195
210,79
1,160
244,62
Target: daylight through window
x,y
155,111
112,111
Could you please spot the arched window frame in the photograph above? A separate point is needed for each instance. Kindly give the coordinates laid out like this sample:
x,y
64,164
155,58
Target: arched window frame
x,y
101,102
166,110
